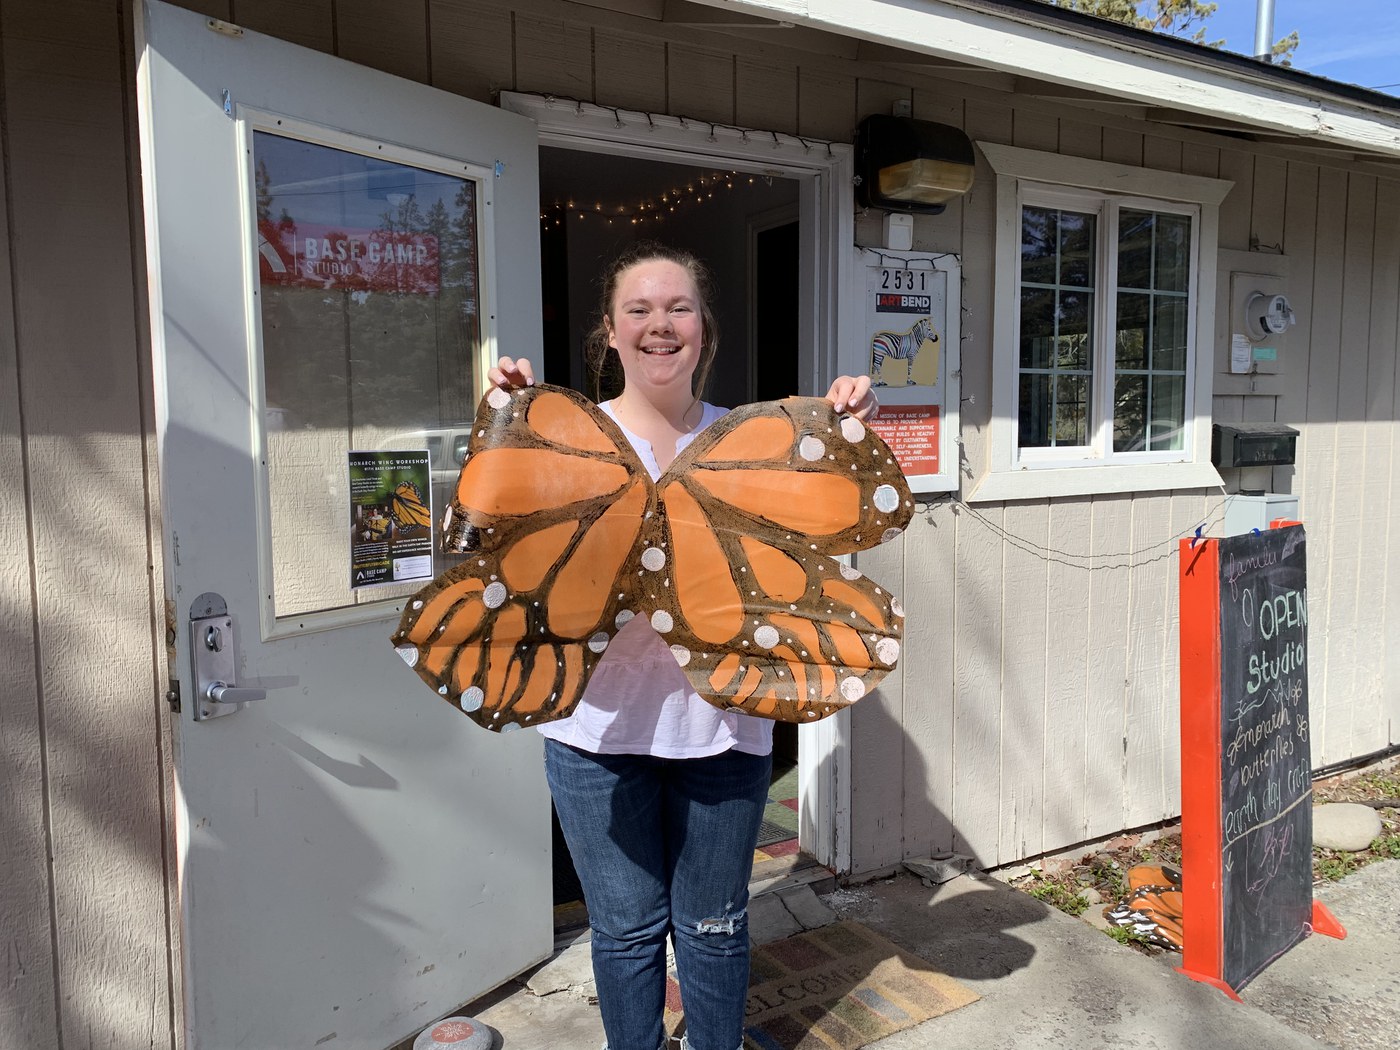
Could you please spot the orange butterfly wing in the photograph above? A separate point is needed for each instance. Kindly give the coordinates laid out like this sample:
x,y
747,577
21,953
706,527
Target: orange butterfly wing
x,y
730,556
550,504
765,618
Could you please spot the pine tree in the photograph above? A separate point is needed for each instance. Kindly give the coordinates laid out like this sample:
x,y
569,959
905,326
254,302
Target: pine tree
x,y
1184,18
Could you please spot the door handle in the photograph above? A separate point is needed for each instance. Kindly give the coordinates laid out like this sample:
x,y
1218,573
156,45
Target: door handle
x,y
213,658
223,693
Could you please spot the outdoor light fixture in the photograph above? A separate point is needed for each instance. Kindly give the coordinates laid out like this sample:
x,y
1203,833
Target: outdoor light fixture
x,y
904,164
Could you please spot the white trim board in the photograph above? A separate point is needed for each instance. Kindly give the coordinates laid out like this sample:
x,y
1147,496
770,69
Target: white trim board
x,y
968,34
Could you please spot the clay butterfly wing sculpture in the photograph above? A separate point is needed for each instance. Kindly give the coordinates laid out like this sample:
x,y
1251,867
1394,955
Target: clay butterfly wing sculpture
x,y
731,555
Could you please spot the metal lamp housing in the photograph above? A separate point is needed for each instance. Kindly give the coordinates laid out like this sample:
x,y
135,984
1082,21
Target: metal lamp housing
x,y
911,165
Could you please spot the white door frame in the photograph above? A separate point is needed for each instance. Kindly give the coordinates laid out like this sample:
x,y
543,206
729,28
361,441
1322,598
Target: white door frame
x,y
824,172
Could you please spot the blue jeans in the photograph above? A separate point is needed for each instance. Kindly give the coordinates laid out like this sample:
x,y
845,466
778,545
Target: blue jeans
x,y
664,846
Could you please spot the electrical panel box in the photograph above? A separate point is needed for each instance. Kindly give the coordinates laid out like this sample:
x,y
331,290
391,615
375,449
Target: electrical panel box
x,y
1245,513
1252,444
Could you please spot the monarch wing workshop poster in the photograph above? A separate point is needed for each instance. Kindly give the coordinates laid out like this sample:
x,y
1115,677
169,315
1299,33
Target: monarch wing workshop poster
x,y
910,341
391,532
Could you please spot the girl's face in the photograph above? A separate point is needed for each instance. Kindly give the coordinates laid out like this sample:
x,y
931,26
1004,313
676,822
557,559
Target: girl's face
x,y
656,326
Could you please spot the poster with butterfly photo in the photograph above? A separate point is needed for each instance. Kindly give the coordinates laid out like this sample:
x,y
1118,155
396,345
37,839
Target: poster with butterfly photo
x,y
391,521
908,342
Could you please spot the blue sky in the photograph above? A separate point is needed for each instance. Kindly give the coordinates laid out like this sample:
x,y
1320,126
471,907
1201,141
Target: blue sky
x,y
1354,41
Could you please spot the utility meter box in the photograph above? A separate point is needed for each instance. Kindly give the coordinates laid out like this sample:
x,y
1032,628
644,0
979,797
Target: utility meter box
x,y
1245,513
1260,317
1252,444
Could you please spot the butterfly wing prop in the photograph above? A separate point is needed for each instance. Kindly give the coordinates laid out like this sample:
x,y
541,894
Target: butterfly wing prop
x,y
763,615
549,506
730,556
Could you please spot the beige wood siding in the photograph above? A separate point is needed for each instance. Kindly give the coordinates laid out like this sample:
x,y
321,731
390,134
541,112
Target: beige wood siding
x,y
1035,706
89,953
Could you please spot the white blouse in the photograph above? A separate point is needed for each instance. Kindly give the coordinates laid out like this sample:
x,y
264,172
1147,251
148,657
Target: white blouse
x,y
639,701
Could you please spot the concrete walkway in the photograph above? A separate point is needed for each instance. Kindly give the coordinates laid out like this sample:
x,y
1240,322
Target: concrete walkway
x,y
1049,980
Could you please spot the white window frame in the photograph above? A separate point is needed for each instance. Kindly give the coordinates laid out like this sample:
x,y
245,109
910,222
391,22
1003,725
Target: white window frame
x,y
1049,180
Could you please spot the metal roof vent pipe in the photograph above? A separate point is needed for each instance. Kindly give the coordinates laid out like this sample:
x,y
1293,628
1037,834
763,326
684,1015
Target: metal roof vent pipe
x,y
1264,31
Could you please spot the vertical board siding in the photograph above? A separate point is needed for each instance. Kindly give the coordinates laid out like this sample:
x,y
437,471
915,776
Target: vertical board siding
x,y
877,754
700,83
79,372
1025,656
928,656
28,1010
1067,576
765,96
1150,716
1382,414
553,57
629,70
1351,630
1319,442
472,49
1105,743
310,23
397,45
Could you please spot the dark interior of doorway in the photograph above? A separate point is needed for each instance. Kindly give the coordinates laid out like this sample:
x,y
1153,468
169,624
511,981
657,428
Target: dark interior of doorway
x,y
592,205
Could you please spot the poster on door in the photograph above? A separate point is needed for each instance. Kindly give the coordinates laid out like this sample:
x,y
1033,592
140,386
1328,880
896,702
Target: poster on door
x,y
391,519
909,336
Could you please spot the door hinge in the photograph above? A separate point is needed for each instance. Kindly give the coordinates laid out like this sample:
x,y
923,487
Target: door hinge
x,y
172,696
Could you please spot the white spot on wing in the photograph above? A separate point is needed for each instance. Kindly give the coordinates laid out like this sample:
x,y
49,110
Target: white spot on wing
x,y
766,636
472,698
852,429
654,558
598,642
494,596
886,499
811,448
661,621
852,689
681,653
409,654
887,649
850,572
498,398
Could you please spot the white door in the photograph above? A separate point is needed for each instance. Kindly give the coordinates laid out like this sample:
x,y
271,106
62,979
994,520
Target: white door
x,y
333,254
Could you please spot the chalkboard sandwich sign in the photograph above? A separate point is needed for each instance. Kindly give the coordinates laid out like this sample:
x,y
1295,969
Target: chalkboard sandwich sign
x,y
1246,770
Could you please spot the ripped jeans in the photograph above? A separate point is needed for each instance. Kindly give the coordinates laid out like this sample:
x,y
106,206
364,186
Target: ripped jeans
x,y
664,846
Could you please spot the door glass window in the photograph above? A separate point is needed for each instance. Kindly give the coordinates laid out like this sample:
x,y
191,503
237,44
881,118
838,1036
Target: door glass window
x,y
368,280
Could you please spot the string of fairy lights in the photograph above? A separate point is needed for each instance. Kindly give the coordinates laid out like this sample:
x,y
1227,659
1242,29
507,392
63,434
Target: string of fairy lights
x,y
650,210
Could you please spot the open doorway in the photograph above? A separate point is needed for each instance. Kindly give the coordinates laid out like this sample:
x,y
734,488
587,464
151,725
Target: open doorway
x,y
745,227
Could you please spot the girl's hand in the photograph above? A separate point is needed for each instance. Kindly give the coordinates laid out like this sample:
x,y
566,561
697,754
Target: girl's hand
x,y
853,394
508,373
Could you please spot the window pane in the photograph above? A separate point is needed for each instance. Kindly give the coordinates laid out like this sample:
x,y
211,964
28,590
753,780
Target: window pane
x,y
1074,331
1130,414
1077,249
1035,411
1039,234
1173,256
1037,327
1168,413
1135,230
1169,334
1072,410
1131,343
368,305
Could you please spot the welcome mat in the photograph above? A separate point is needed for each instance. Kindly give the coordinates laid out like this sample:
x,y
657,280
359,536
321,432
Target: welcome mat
x,y
835,988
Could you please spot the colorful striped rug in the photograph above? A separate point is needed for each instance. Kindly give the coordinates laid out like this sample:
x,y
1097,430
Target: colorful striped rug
x,y
836,988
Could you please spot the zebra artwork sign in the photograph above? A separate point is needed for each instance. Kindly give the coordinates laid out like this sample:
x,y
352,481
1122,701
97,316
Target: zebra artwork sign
x,y
910,334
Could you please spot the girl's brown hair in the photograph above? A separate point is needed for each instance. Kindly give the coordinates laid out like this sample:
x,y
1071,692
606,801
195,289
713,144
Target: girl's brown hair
x,y
604,367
